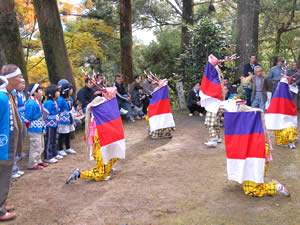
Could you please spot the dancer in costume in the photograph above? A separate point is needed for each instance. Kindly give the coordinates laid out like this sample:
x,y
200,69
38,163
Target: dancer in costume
x,y
281,115
160,117
248,153
104,134
211,95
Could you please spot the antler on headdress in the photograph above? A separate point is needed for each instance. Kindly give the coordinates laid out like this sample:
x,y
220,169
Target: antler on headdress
x,y
154,79
214,61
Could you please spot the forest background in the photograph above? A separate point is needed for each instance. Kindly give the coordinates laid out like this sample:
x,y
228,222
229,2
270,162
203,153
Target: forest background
x,y
50,39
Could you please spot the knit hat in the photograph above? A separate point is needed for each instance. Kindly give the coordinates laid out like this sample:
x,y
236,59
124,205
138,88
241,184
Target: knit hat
x,y
62,82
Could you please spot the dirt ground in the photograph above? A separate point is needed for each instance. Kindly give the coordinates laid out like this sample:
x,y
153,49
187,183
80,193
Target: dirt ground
x,y
177,181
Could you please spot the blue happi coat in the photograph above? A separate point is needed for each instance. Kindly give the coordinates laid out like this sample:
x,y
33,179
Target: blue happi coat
x,y
6,127
64,110
52,113
21,98
33,114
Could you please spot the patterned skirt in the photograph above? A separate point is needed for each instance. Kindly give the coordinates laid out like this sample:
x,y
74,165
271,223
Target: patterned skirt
x,y
283,137
65,128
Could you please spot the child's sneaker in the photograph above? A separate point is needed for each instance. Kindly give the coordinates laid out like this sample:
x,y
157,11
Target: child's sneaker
x,y
201,114
211,143
137,118
59,157
21,173
282,189
144,117
15,175
62,153
52,160
191,114
74,176
123,111
71,151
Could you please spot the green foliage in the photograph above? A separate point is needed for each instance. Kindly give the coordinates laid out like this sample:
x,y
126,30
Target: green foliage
x,y
160,56
274,15
208,38
149,13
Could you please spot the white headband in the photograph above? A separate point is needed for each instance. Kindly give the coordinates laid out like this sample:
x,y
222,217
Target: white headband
x,y
5,82
34,88
10,75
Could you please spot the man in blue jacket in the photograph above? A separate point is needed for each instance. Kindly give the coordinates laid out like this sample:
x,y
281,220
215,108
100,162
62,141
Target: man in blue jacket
x,y
10,134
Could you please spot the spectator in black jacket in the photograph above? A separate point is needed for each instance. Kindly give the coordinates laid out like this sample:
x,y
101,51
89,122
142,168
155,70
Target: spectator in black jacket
x,y
194,102
86,94
249,69
124,99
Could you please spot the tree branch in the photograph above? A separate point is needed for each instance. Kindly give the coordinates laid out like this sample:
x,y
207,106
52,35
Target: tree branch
x,y
174,7
36,64
89,16
292,28
291,19
230,4
30,36
157,25
201,3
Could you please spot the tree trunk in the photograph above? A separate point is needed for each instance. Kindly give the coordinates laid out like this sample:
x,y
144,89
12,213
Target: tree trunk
x,y
2,56
52,37
247,32
10,41
187,21
126,41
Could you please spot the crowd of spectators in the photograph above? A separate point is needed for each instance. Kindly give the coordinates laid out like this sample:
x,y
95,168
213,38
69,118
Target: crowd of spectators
x,y
254,87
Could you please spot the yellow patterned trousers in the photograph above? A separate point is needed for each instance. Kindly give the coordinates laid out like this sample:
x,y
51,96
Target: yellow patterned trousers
x,y
283,137
259,190
100,171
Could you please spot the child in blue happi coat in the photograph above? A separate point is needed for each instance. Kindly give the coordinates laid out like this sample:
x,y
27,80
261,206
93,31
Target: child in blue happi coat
x,y
20,99
51,120
33,115
65,122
